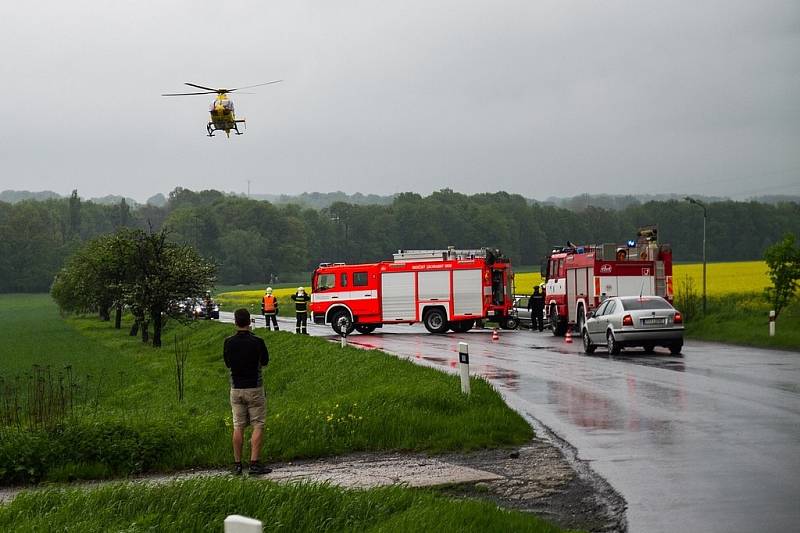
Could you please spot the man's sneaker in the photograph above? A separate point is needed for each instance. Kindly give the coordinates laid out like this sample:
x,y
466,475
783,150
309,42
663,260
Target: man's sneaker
x,y
257,469
237,469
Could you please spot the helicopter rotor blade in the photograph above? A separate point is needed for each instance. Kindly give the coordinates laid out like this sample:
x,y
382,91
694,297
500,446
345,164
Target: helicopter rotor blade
x,y
256,85
188,94
201,87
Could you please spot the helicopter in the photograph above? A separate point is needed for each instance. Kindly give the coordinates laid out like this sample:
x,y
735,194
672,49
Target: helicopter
x,y
221,109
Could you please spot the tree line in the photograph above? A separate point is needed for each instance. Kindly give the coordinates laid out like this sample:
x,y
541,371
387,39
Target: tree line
x,y
132,269
249,240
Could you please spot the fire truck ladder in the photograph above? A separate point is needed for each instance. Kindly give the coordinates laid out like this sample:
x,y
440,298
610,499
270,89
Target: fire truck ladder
x,y
403,256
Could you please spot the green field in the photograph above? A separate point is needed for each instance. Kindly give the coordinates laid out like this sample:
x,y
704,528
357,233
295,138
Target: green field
x,y
126,418
203,504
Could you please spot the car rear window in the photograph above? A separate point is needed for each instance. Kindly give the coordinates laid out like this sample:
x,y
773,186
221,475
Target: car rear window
x,y
522,302
645,303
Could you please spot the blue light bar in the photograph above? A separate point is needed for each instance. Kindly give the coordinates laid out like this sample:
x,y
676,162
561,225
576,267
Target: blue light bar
x,y
631,244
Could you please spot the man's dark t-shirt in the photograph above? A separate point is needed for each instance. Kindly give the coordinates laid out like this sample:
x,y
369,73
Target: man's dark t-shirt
x,y
245,354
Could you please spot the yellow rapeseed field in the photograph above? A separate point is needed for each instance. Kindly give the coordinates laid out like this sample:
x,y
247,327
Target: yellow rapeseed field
x,y
253,298
725,278
721,278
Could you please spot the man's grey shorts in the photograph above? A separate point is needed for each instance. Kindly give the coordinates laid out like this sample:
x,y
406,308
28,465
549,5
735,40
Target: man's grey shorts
x,y
249,407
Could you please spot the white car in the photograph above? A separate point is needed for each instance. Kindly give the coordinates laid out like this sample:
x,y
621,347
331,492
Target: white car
x,y
646,321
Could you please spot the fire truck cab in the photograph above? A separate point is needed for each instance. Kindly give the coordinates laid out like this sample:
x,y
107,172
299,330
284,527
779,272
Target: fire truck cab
x,y
443,289
580,278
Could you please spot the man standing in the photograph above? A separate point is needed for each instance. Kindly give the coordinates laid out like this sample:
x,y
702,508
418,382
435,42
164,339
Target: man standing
x,y
301,300
536,307
269,308
245,355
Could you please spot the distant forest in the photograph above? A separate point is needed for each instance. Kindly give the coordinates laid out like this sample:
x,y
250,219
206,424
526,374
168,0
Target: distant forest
x,y
250,239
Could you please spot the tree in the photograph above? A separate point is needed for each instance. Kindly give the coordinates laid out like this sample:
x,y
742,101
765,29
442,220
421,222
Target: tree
x,y
95,277
74,214
783,260
164,273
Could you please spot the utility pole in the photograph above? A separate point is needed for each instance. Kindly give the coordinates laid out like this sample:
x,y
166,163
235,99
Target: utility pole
x,y
248,189
705,217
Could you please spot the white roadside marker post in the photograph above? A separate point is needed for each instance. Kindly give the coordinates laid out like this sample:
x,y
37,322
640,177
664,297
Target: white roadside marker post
x,y
772,323
344,339
241,524
463,362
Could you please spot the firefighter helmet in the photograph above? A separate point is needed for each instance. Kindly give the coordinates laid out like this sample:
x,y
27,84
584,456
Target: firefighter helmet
x,y
269,290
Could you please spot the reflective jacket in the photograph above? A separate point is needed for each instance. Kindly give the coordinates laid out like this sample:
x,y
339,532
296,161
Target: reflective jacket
x,y
269,305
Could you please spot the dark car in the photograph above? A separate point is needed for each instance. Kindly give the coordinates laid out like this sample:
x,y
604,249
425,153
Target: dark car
x,y
200,308
646,321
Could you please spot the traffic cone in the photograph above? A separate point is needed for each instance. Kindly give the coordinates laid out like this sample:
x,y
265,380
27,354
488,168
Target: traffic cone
x,y
568,337
495,335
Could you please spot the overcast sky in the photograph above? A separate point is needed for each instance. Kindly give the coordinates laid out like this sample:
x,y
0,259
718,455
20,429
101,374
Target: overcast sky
x,y
539,98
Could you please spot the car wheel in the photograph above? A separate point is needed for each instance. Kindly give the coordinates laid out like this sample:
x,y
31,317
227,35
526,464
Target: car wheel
x,y
365,329
435,321
588,347
613,346
649,348
675,348
341,321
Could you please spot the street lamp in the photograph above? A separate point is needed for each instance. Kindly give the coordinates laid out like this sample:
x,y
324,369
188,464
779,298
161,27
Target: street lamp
x,y
705,216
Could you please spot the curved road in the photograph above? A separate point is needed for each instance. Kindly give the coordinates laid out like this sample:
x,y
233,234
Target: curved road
x,y
705,441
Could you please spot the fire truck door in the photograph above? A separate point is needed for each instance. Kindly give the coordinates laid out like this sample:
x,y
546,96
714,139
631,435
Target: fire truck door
x,y
467,292
433,288
571,283
397,302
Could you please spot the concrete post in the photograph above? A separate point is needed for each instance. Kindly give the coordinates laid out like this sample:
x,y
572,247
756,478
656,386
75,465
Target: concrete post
x,y
463,362
772,323
241,524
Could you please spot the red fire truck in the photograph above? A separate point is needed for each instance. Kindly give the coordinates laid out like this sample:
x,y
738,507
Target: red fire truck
x,y
579,278
443,289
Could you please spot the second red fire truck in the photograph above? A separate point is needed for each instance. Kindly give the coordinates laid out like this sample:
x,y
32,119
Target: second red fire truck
x,y
443,289
579,278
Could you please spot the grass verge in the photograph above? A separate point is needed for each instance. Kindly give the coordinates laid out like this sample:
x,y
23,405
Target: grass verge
x,y
322,400
202,505
743,319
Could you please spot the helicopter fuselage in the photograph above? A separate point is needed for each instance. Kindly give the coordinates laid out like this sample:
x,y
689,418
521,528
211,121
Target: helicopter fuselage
x,y
223,116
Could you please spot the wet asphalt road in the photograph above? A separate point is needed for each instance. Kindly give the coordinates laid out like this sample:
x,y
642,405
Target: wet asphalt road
x,y
705,441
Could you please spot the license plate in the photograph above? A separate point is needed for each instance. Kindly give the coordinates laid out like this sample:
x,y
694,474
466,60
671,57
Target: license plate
x,y
654,321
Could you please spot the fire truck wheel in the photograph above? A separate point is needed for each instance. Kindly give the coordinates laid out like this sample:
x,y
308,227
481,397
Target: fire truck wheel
x,y
588,347
435,321
558,326
342,321
509,323
581,319
365,329
613,346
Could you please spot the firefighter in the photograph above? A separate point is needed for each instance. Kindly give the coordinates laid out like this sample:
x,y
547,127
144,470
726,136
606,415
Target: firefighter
x,y
208,303
301,300
269,308
536,307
